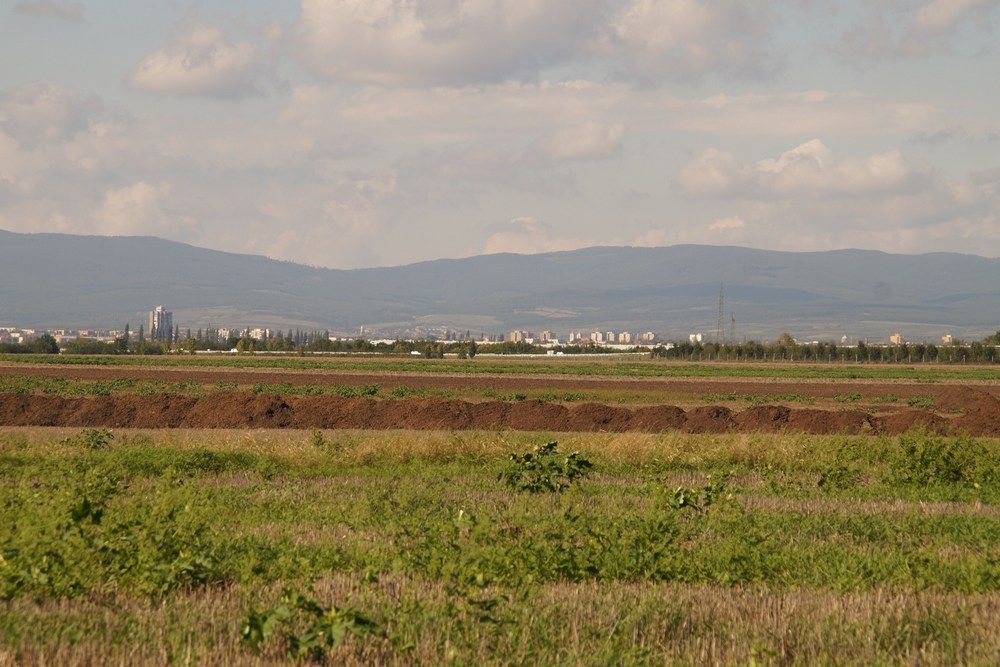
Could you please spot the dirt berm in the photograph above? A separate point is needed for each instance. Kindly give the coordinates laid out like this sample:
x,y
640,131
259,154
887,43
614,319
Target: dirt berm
x,y
241,410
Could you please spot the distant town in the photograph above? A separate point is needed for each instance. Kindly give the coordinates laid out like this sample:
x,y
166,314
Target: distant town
x,y
160,334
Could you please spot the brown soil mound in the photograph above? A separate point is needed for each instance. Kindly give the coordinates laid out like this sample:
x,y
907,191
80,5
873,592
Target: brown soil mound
x,y
826,421
982,415
901,422
656,418
708,419
165,411
537,416
491,415
239,410
248,410
764,418
599,417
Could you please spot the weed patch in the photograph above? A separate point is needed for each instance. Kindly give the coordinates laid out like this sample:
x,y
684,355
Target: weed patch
x,y
303,627
541,470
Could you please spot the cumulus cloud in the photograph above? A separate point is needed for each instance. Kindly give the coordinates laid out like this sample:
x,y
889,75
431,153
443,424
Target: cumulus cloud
x,y
139,209
687,40
42,113
462,42
888,30
440,42
939,16
727,224
200,60
809,169
589,141
50,9
527,236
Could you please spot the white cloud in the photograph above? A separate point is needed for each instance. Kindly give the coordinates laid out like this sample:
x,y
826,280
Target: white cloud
x,y
461,42
200,60
439,42
806,170
50,9
939,16
727,224
687,40
139,209
589,141
890,29
41,113
527,236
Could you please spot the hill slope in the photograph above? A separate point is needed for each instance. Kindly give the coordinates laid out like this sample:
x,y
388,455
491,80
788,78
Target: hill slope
x,y
77,281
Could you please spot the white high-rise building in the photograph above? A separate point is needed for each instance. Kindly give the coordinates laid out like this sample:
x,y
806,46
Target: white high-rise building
x,y
161,323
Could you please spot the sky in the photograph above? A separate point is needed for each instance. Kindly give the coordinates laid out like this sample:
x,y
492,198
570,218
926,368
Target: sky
x,y
352,133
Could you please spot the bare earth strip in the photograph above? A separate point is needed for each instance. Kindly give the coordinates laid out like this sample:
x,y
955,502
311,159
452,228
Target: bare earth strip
x,y
946,395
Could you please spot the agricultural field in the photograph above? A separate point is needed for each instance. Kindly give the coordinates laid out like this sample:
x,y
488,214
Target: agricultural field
x,y
426,514
633,366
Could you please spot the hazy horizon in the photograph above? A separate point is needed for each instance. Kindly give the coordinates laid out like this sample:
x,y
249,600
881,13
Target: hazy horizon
x,y
539,252
363,133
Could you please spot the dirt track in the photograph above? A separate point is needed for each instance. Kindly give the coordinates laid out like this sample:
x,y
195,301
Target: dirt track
x,y
947,396
248,410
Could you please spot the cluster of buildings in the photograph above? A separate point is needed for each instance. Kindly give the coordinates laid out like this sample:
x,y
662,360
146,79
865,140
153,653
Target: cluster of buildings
x,y
547,338
21,335
898,339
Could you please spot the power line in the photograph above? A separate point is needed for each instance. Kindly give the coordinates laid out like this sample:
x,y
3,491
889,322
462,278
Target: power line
x,y
720,327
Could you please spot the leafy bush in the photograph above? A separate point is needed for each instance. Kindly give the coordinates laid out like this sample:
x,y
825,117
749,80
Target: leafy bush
x,y
305,628
65,543
540,470
917,460
923,459
700,498
91,438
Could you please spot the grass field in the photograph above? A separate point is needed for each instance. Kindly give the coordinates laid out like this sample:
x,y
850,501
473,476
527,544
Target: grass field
x,y
541,366
403,547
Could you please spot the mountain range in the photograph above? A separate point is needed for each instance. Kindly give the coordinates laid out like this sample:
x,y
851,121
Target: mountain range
x,y
66,281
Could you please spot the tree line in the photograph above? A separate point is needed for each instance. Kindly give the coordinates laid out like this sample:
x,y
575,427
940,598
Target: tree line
x,y
785,348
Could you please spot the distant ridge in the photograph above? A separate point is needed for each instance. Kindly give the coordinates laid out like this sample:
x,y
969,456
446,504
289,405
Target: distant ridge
x,y
92,281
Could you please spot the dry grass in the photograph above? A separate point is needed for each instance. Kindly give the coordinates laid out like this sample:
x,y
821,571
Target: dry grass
x,y
562,624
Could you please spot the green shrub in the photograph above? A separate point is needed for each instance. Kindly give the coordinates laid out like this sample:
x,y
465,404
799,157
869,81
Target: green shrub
x,y
925,459
91,438
65,542
700,498
305,628
540,470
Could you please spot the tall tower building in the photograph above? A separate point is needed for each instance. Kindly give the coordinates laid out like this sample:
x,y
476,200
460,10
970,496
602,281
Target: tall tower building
x,y
161,323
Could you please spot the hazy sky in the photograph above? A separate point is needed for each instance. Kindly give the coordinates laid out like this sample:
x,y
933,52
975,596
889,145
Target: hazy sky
x,y
353,133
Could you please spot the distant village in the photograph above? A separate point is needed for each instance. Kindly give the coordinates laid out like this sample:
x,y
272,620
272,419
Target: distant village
x,y
159,326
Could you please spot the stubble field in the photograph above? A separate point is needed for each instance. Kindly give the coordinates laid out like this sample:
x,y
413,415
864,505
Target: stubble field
x,y
260,542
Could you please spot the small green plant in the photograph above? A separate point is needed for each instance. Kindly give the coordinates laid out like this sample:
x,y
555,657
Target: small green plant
x,y
920,402
847,398
700,498
91,438
320,442
541,470
305,628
